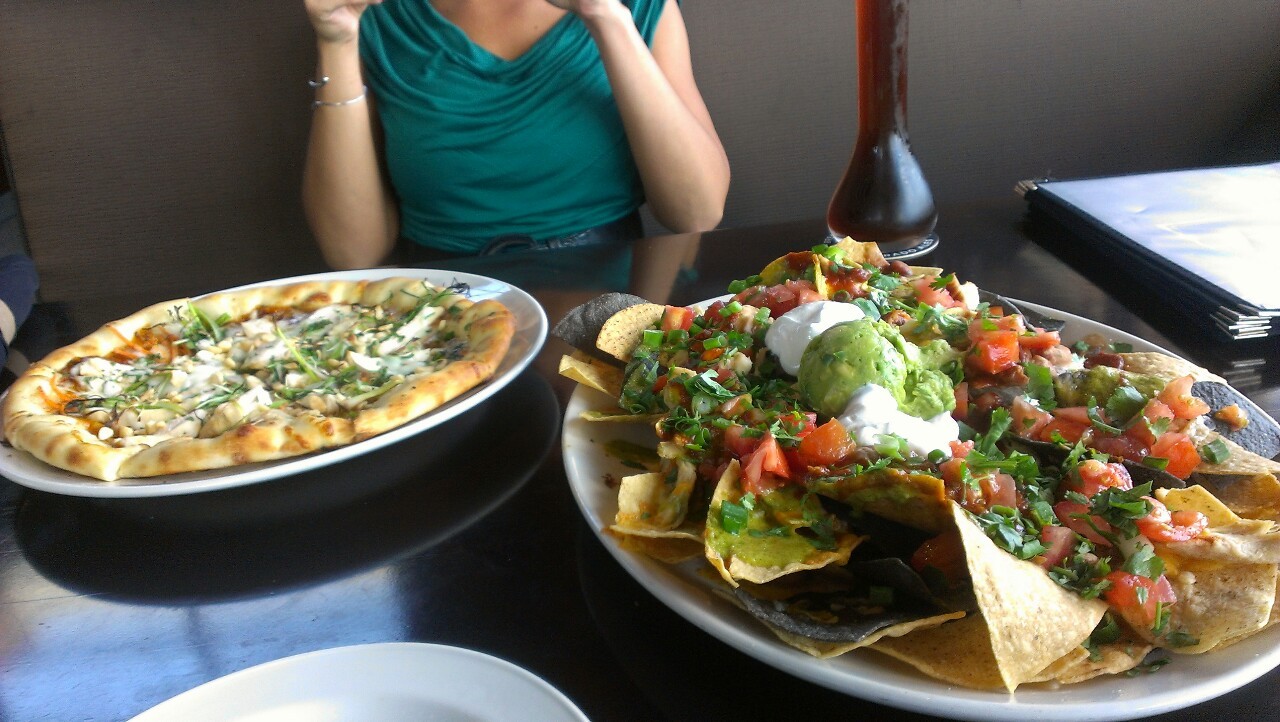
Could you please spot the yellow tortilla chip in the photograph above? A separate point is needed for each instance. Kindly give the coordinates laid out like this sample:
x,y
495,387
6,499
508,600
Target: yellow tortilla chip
x,y
646,503
919,501
620,335
1197,498
1164,366
618,416
592,373
726,558
1017,598
957,653
668,547
858,252
1078,666
1229,538
1220,604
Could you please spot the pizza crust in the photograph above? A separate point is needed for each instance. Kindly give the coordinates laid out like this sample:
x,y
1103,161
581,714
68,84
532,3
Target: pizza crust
x,y
33,422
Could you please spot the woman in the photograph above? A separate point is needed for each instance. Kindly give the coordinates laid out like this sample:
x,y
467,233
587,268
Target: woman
x,y
553,122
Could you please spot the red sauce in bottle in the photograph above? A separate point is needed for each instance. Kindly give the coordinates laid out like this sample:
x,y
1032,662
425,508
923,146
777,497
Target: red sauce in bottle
x,y
883,195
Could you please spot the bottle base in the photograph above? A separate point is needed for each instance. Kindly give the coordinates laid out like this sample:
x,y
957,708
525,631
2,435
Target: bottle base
x,y
900,250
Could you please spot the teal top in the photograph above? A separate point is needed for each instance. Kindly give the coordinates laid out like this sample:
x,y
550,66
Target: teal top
x,y
478,146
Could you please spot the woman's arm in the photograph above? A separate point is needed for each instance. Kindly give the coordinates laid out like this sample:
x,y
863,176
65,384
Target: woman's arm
x,y
349,206
680,158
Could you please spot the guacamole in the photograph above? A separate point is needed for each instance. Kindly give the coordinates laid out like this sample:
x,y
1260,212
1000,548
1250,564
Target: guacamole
x,y
848,356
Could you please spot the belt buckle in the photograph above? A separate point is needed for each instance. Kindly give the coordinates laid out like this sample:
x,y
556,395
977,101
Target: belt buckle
x,y
508,243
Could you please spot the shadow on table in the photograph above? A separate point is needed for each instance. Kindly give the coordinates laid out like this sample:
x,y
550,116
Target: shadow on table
x,y
297,530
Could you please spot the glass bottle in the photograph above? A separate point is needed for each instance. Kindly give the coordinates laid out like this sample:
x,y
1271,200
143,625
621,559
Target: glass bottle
x,y
883,195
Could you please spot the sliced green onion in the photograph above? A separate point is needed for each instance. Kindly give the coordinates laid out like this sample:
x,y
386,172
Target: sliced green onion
x,y
1155,462
1215,452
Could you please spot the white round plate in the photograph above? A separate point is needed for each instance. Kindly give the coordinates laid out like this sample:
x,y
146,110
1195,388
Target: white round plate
x,y
531,332
688,591
389,682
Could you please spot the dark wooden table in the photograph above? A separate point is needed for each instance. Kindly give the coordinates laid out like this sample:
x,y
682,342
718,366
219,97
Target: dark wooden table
x,y
468,535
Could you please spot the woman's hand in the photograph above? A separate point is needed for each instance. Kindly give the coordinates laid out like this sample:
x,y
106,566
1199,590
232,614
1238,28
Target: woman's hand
x,y
585,8
336,21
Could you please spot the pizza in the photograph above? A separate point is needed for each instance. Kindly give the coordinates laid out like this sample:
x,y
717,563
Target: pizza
x,y
254,375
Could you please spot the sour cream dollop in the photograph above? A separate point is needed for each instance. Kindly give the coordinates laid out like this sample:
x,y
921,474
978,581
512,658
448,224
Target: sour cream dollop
x,y
873,412
791,333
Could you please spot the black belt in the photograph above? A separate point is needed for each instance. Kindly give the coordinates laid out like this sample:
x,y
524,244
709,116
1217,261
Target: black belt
x,y
627,228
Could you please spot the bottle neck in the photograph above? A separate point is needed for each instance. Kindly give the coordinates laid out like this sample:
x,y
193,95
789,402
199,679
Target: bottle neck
x,y
882,67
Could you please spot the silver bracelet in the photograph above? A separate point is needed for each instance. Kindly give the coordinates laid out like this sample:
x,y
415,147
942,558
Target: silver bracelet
x,y
317,84
364,89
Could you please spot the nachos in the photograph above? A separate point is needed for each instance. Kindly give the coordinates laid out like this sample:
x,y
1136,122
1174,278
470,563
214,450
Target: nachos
x,y
874,455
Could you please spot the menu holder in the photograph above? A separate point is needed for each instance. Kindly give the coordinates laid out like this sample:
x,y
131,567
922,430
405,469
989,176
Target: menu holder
x,y
1206,239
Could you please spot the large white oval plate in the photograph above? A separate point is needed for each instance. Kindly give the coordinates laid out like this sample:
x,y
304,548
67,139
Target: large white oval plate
x,y
531,332
688,591
387,682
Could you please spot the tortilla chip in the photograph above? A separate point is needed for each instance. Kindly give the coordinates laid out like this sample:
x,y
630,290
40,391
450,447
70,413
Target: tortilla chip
x,y
667,547
826,650
646,503
1239,461
618,416
919,501
957,653
581,326
858,253
1220,604
1165,367
1017,598
733,568
1078,666
620,335
1197,498
1271,622
592,373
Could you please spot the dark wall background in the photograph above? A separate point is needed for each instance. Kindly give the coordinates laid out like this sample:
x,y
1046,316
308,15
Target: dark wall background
x,y
160,143
999,91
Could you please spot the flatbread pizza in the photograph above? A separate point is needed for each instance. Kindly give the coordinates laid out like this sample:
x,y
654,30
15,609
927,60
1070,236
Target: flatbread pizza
x,y
254,375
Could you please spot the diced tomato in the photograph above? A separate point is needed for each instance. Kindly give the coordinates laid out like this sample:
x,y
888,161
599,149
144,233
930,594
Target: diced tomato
x,y
999,490
930,296
1038,340
1074,414
1177,395
953,472
945,553
1058,542
785,296
960,449
1092,476
1069,430
765,469
1137,606
1120,447
1068,512
961,411
1181,452
677,317
737,443
982,327
1152,412
1028,419
1161,526
772,459
994,352
828,445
